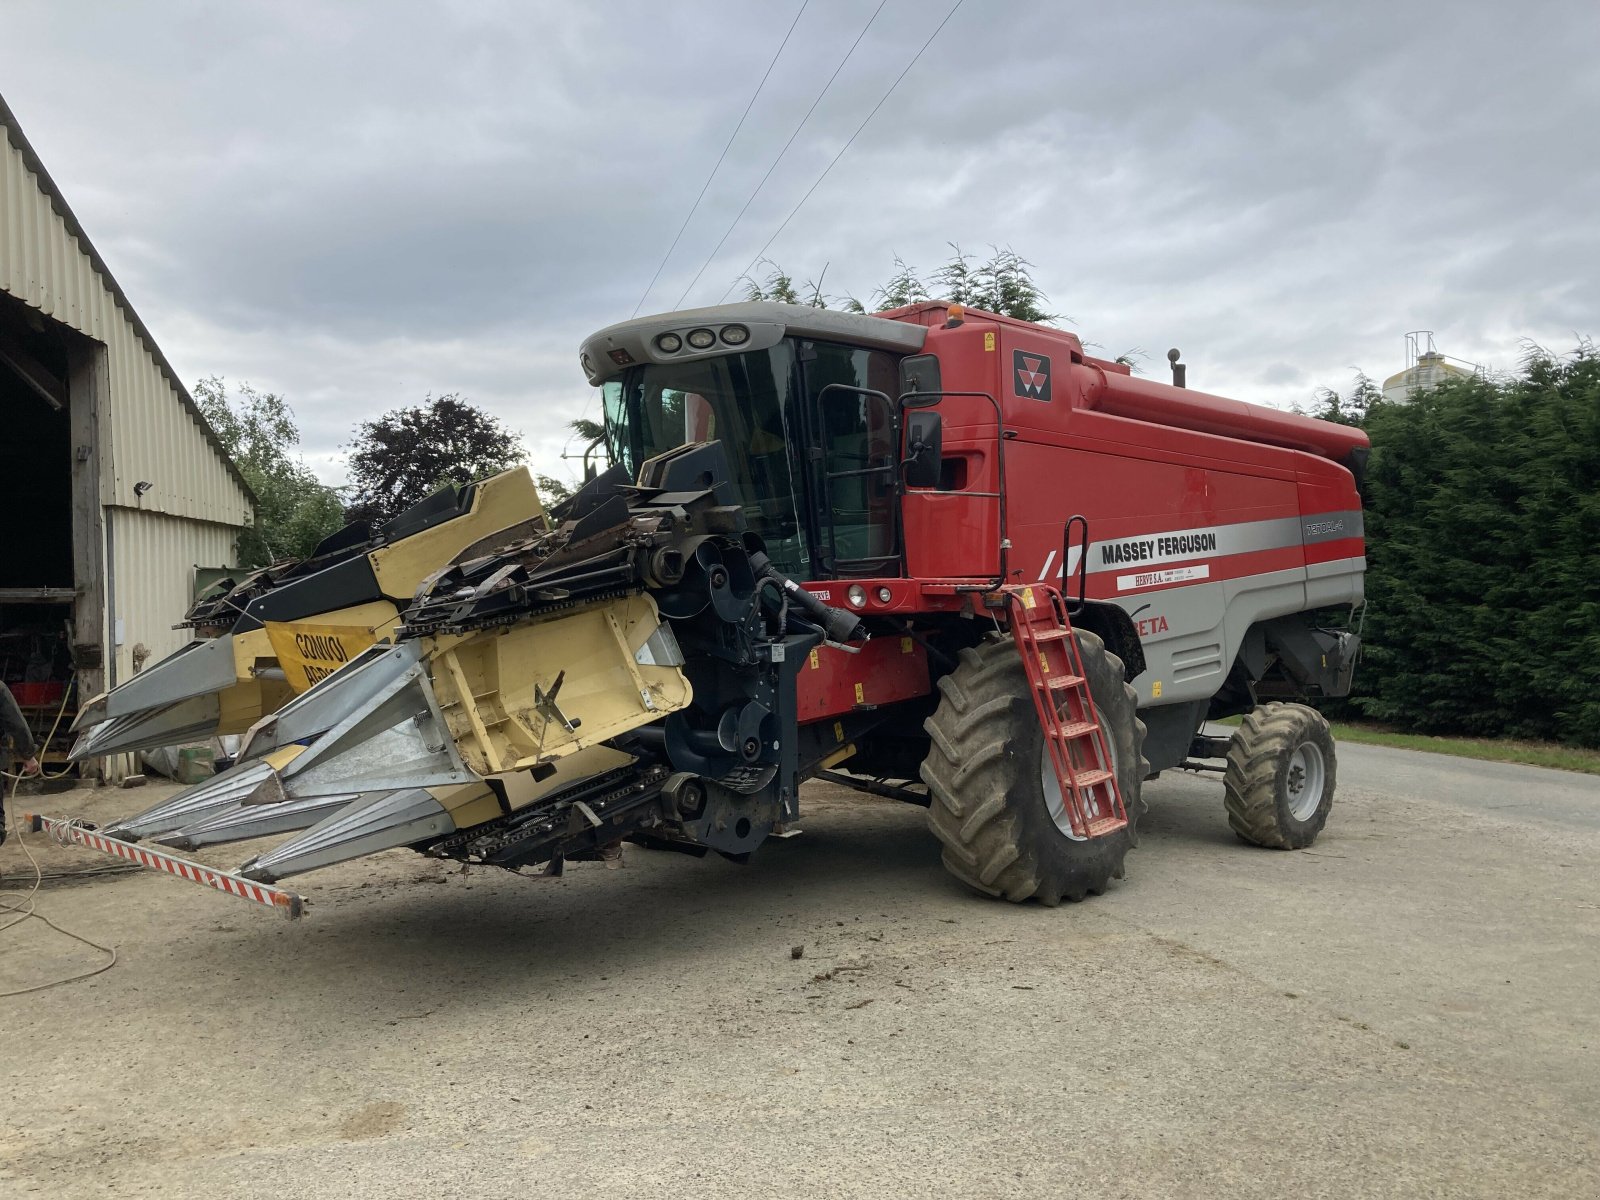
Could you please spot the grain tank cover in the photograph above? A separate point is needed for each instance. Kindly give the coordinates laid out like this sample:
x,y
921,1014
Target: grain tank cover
x,y
1184,408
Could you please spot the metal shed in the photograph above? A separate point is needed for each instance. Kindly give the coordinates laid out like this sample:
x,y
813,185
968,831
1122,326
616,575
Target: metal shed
x,y
115,490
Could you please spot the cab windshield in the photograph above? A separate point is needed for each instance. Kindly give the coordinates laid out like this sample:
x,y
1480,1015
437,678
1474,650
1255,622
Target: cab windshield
x,y
769,409
746,402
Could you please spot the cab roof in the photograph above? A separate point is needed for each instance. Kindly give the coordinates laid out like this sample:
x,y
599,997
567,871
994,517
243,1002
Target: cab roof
x,y
628,343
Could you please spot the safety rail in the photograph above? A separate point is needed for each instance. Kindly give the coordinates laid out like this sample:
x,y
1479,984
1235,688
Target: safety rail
x,y
1075,606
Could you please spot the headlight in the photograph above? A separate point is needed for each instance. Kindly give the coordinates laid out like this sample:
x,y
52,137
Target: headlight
x,y
884,595
857,596
702,339
669,343
735,335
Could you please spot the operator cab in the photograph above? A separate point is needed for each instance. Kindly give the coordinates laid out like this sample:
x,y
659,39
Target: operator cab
x,y
803,400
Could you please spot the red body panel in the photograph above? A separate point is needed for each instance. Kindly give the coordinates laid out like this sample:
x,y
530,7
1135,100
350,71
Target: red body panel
x,y
1136,457
1180,489
887,670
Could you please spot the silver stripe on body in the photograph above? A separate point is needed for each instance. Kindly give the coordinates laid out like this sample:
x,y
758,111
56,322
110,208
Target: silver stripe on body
x,y
1198,542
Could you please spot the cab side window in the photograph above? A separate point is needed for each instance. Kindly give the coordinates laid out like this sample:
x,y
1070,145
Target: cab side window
x,y
855,437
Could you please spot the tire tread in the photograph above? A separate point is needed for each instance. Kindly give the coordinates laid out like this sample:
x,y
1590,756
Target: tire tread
x,y
974,778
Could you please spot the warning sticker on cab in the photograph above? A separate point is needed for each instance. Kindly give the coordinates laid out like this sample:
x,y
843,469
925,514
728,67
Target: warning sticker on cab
x,y
1156,578
310,653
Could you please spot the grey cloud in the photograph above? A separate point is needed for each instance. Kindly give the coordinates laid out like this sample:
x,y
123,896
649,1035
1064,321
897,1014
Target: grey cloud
x,y
357,204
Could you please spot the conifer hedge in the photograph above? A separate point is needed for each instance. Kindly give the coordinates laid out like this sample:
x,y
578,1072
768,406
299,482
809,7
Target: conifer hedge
x,y
1483,553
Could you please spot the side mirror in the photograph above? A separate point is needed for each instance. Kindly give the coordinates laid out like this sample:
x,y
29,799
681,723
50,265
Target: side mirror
x,y
924,458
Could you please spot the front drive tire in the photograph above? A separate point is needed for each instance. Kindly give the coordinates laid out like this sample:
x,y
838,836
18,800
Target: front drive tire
x,y
986,774
1281,771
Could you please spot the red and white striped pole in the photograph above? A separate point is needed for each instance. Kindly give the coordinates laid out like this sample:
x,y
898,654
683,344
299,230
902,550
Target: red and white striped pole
x,y
159,860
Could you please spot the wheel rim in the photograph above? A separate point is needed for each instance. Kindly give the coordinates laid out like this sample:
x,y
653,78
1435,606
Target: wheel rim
x,y
1053,802
1306,779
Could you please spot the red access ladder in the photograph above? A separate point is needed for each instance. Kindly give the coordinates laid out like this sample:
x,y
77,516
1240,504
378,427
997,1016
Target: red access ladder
x,y
1072,734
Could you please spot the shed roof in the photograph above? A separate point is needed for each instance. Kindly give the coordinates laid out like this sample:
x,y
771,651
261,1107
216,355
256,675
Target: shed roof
x,y
30,157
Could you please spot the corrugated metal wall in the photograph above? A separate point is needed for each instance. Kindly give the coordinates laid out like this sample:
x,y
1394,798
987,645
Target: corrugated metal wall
x,y
153,558
153,435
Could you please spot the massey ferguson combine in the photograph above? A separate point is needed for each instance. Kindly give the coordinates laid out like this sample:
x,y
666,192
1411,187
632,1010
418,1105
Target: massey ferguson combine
x,y
944,557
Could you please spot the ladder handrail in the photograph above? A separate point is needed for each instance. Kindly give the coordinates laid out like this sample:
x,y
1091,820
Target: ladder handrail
x,y
1075,606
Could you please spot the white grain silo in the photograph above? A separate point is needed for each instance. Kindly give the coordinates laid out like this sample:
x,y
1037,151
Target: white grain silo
x,y
1425,368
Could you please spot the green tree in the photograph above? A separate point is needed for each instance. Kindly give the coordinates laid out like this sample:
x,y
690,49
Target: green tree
x,y
1003,283
593,446
409,453
778,287
586,430
1349,409
294,510
1483,585
552,491
902,288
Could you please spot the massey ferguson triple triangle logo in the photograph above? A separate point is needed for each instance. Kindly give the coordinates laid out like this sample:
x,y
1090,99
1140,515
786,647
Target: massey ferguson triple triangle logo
x,y
1032,375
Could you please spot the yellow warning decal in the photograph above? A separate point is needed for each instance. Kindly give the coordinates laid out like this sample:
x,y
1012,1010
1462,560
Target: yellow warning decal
x,y
1044,663
1155,690
861,694
838,731
1027,597
310,653
988,340
905,646
816,660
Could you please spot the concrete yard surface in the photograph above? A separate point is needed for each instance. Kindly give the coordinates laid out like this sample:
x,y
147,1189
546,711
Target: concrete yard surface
x,y
1407,1009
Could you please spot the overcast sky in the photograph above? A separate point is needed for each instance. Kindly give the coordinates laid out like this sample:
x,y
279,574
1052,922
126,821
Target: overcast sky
x,y
356,204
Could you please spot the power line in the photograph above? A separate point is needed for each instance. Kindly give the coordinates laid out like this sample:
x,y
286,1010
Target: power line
x,y
842,149
848,54
696,205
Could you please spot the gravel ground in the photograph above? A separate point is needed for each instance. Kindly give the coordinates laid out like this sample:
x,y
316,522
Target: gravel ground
x,y
1408,1009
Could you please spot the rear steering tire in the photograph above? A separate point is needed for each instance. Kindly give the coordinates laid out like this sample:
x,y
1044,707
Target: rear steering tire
x,y
1278,786
987,772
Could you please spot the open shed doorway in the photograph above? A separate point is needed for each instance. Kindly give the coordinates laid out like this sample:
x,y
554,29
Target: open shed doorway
x,y
38,565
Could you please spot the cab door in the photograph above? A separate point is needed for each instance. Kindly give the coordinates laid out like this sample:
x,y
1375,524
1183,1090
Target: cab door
x,y
852,457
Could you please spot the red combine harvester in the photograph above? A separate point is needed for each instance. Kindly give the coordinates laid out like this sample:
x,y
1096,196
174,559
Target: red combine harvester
x,y
926,463
937,555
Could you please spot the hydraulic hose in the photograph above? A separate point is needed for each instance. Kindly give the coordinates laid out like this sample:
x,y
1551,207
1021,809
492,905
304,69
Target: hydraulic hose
x,y
837,625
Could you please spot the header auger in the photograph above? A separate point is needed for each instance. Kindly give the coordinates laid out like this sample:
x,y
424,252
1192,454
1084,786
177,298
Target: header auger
x,y
942,556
